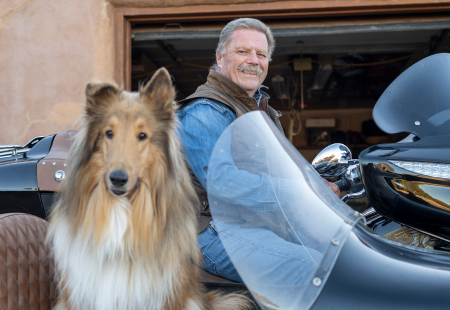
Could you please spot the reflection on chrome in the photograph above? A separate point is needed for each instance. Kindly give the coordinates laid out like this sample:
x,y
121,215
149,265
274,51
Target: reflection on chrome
x,y
426,193
332,161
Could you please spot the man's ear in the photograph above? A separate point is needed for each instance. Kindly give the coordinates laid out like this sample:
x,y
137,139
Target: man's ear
x,y
100,94
159,92
219,60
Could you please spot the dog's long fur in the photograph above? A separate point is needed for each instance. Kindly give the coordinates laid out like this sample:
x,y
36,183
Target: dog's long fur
x,y
131,246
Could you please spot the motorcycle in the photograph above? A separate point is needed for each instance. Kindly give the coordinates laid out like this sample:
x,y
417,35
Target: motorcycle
x,y
393,255
327,255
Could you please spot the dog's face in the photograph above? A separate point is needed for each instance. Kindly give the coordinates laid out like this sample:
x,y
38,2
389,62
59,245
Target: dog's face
x,y
126,149
129,130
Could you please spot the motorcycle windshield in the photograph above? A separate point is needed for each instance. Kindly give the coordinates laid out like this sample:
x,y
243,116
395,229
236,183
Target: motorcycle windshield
x,y
418,101
278,221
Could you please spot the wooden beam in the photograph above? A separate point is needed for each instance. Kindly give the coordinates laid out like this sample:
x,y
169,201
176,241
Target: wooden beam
x,y
122,44
119,47
280,9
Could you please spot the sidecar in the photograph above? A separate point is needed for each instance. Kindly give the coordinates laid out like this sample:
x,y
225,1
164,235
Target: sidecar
x,y
30,174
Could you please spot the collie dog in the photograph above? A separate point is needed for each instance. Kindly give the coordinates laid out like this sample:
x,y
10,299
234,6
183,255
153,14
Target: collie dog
x,y
123,226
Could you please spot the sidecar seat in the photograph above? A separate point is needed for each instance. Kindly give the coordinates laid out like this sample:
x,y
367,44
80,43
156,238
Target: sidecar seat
x,y
26,266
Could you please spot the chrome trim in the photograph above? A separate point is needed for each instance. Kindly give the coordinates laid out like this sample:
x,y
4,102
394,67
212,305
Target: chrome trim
x,y
13,150
59,175
368,212
357,195
372,219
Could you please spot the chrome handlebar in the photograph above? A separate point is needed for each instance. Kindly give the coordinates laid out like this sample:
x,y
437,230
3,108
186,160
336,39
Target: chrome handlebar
x,y
336,161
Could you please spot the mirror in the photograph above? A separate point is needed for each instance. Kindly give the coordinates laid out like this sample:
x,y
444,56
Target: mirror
x,y
332,161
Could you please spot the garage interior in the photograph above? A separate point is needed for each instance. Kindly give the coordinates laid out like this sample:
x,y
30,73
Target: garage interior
x,y
325,75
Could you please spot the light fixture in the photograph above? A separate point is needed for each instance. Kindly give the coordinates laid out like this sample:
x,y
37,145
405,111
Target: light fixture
x,y
321,77
279,86
435,170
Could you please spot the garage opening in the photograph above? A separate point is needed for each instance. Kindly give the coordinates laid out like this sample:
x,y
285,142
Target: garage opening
x,y
325,76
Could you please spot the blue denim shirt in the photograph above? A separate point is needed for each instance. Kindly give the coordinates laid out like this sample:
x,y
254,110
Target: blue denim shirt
x,y
203,121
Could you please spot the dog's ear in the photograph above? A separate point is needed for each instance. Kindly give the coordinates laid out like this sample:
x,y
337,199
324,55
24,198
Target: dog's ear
x,y
159,91
100,94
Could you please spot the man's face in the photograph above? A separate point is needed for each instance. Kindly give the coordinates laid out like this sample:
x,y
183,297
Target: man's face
x,y
246,59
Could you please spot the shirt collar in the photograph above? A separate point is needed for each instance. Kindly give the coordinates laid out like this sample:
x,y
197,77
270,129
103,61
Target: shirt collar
x,y
258,94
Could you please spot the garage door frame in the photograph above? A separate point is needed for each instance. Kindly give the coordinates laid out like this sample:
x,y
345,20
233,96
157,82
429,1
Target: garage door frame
x,y
309,9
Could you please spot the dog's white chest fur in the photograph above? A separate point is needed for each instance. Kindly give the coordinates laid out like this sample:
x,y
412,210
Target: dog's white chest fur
x,y
107,278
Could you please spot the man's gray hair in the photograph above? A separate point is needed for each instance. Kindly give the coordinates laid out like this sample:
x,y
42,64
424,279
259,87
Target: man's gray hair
x,y
243,23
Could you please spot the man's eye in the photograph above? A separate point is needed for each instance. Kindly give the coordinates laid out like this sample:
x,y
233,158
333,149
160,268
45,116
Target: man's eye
x,y
109,134
262,55
142,136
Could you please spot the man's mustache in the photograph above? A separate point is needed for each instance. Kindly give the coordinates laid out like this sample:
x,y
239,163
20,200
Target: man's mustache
x,y
250,69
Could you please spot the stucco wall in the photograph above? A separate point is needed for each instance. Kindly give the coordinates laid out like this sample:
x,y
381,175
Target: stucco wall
x,y
49,50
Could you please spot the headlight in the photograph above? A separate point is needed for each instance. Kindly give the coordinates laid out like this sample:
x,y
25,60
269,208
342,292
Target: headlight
x,y
429,169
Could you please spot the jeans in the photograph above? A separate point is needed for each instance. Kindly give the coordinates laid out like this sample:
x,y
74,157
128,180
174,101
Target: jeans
x,y
281,261
215,258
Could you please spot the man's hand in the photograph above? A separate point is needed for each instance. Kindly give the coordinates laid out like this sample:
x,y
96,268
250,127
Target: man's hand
x,y
333,187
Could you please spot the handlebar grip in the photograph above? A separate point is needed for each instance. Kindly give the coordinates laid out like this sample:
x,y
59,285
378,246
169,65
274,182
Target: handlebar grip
x,y
343,184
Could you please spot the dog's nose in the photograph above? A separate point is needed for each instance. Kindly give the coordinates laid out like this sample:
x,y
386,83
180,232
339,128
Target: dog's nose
x,y
118,177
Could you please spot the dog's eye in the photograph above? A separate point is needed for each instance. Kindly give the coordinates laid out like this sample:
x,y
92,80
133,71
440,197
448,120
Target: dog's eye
x,y
142,136
109,134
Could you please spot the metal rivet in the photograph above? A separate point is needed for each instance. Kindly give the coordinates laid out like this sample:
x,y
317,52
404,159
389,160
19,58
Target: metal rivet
x,y
215,202
59,175
334,241
65,165
54,163
43,163
317,282
417,123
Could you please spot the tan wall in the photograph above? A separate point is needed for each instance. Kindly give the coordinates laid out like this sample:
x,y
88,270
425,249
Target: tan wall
x,y
49,50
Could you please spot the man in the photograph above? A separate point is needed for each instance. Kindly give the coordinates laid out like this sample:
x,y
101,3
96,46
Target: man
x,y
233,88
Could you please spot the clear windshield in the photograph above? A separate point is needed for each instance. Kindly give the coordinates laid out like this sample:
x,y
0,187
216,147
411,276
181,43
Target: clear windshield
x,y
279,222
418,101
